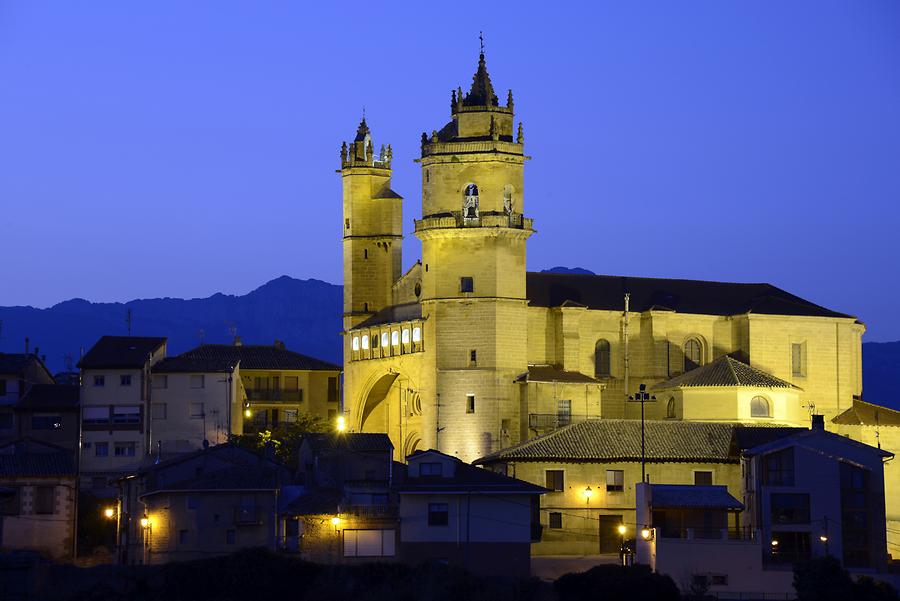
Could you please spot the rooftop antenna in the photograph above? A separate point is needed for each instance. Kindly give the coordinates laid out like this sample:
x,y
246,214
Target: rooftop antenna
x,y
128,320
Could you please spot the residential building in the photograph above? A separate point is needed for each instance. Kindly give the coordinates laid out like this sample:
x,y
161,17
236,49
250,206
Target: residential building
x,y
50,413
209,502
455,513
346,510
39,507
18,373
277,385
115,403
196,401
590,469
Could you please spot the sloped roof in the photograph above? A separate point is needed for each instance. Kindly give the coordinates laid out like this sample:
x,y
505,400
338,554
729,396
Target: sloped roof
x,y
724,371
15,363
862,413
553,373
607,440
251,356
50,396
393,314
482,91
683,496
315,502
358,442
237,477
30,458
606,292
468,478
194,364
120,352
804,437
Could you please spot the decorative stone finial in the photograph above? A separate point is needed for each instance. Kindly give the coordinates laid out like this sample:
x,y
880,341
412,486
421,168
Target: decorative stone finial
x,y
453,101
509,100
434,137
520,137
424,138
494,133
343,152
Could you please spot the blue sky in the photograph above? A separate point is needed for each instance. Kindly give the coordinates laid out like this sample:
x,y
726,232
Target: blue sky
x,y
180,149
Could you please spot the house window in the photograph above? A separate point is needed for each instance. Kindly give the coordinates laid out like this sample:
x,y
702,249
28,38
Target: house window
x,y
161,381
289,416
44,500
555,480
759,407
466,284
792,547
332,390
473,358
291,383
779,468
555,520
125,380
95,415
602,359
797,368
11,504
99,381
395,338
563,413
356,343
384,339
229,537
470,403
692,354
789,508
703,478
197,411
670,408
369,543
158,411
182,537
417,334
2,387
430,469
198,381
856,516
615,480
438,514
101,449
126,415
405,336
46,422
470,202
365,342
124,449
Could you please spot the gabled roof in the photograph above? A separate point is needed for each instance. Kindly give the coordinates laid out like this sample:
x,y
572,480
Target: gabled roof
x,y
862,413
121,352
466,478
393,314
606,292
194,364
357,442
15,363
682,496
26,457
238,477
50,396
315,502
251,356
807,438
609,440
553,373
724,371
233,453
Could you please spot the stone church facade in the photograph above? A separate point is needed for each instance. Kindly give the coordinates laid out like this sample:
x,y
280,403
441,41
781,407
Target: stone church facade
x,y
468,353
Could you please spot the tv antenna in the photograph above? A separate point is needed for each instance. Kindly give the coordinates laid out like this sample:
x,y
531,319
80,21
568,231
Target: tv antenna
x,y
128,321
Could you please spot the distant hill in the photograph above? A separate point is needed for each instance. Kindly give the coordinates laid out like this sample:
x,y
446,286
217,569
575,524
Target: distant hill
x,y
569,270
305,314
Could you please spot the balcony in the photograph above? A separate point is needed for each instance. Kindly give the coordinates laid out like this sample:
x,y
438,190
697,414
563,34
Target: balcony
x,y
455,219
745,534
271,395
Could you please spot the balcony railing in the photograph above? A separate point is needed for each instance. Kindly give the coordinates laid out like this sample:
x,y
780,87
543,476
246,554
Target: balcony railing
x,y
455,219
708,533
274,395
370,511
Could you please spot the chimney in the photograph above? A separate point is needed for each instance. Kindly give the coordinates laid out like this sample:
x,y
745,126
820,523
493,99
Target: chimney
x,y
279,344
37,351
818,421
27,345
237,341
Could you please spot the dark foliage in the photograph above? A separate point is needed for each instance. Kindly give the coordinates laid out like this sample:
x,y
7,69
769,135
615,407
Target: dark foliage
x,y
285,438
614,583
824,579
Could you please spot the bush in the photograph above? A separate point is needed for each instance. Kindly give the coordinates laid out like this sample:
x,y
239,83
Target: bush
x,y
614,583
825,579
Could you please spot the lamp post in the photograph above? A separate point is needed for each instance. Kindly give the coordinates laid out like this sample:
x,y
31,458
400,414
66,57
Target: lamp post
x,y
642,396
623,551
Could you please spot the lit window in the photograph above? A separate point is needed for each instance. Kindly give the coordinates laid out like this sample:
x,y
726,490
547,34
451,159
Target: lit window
x,y
759,407
417,334
692,354
365,342
356,343
384,339
395,338
405,335
601,359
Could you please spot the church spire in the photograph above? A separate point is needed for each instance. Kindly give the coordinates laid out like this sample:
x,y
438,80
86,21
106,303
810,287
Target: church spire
x,y
482,91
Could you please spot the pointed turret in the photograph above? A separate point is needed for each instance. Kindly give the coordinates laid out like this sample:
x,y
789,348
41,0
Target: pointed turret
x,y
482,91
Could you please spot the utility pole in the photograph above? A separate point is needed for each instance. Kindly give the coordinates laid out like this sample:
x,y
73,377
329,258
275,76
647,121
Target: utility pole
x,y
625,339
642,396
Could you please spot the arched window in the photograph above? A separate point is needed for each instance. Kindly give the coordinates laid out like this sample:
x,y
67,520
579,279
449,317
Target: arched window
x,y
759,407
356,343
508,199
405,336
470,202
693,354
395,338
670,408
601,359
384,339
365,342
417,334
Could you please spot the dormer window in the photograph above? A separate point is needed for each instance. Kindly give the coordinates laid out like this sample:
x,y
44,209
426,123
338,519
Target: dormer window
x,y
470,202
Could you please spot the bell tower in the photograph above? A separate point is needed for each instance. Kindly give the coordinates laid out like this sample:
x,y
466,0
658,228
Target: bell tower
x,y
473,232
372,228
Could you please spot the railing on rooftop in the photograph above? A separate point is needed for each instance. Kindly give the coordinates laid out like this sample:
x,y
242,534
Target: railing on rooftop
x,y
274,395
456,220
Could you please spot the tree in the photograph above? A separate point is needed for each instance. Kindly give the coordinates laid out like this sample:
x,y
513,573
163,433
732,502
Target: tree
x,y
823,579
285,438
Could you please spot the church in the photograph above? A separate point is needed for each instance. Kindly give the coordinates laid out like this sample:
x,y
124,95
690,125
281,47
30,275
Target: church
x,y
469,353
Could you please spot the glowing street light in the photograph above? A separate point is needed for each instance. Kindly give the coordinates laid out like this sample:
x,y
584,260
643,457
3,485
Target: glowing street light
x,y
622,529
145,522
109,513
588,493
341,423
646,533
247,413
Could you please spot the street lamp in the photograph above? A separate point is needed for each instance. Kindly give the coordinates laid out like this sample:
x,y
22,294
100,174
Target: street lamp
x,y
623,551
341,423
109,513
646,533
587,494
642,396
145,522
